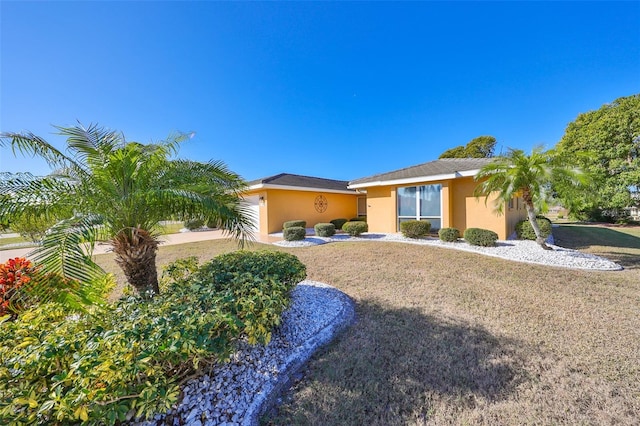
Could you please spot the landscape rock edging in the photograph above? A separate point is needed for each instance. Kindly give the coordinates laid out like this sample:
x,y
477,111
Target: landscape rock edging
x,y
296,360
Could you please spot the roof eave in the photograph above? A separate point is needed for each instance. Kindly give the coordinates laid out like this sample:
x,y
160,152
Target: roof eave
x,y
418,179
298,188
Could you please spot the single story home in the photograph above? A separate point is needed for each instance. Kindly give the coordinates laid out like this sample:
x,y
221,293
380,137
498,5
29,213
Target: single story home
x,y
280,198
440,191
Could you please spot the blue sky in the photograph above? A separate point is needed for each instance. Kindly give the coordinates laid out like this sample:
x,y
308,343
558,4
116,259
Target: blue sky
x,y
340,90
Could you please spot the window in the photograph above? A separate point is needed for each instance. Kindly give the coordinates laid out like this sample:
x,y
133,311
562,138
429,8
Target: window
x,y
420,203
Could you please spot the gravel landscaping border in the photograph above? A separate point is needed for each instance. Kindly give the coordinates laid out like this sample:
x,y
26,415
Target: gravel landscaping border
x,y
240,391
515,250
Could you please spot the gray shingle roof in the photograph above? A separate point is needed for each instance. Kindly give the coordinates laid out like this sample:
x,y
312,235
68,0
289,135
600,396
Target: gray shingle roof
x,y
287,179
443,166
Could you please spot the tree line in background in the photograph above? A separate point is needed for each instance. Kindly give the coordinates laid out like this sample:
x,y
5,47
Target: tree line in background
x,y
605,144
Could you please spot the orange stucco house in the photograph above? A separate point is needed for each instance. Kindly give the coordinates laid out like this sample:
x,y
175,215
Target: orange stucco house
x,y
440,191
277,199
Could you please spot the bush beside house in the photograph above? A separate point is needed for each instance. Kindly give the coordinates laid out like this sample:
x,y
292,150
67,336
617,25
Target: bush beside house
x,y
480,237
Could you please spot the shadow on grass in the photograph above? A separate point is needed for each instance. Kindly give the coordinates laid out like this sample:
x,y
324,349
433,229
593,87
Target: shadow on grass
x,y
626,260
583,236
393,365
617,246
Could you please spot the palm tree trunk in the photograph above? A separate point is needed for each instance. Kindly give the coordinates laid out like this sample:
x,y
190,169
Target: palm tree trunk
x,y
531,213
135,251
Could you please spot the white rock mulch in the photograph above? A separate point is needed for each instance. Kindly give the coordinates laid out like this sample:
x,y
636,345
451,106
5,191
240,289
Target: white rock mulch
x,y
516,250
238,392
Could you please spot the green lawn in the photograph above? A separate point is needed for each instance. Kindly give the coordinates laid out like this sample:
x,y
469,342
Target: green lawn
x,y
449,337
619,243
6,242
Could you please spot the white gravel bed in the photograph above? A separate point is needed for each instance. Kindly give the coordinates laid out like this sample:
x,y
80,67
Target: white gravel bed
x,y
240,391
516,250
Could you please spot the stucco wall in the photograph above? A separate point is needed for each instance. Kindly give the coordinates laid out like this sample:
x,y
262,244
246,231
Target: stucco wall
x,y
280,205
514,215
381,209
460,208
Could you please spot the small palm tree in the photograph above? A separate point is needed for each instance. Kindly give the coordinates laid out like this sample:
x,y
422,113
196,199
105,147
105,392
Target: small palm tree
x,y
526,176
105,188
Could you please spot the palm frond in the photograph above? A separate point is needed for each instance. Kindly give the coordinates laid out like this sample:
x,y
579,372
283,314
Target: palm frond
x,y
91,145
65,253
24,193
29,144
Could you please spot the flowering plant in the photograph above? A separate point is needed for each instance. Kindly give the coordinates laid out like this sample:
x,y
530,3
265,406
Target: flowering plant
x,y
14,274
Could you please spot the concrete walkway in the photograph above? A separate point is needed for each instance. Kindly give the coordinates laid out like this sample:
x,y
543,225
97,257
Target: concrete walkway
x,y
166,240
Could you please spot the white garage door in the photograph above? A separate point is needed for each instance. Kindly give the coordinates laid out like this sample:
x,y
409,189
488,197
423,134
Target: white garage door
x,y
254,208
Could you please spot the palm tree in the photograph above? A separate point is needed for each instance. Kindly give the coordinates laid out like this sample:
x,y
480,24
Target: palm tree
x,y
528,176
125,187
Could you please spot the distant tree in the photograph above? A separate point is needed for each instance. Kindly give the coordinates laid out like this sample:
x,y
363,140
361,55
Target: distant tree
x,y
528,176
457,152
32,226
480,147
611,135
128,187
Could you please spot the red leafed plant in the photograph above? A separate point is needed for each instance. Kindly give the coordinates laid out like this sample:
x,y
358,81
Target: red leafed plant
x,y
14,274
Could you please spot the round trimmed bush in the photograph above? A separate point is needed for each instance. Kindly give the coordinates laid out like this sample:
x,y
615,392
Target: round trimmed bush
x,y
355,228
338,222
480,237
450,235
358,219
211,224
325,229
292,223
415,228
294,233
524,230
193,224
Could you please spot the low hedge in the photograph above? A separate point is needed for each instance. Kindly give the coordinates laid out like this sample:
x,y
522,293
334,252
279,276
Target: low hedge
x,y
193,224
127,361
415,228
480,237
325,229
524,230
294,233
449,234
292,223
355,228
339,222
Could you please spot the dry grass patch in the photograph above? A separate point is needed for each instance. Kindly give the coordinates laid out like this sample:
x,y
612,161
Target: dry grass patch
x,y
450,337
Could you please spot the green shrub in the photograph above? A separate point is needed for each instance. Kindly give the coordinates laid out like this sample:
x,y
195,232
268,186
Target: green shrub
x,y
480,237
127,361
211,224
325,229
32,227
292,223
193,224
358,219
449,234
524,230
355,228
338,222
415,228
283,267
294,233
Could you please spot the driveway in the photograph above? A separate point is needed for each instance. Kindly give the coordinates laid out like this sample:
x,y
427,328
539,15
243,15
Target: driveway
x,y
170,239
